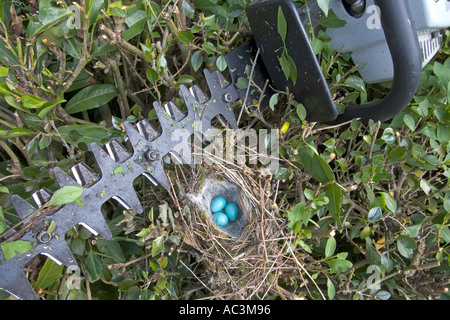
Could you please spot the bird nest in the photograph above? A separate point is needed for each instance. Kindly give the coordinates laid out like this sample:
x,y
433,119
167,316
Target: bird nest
x,y
245,259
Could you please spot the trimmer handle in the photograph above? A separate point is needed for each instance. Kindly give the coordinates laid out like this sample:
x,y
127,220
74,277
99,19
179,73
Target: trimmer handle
x,y
406,54
311,88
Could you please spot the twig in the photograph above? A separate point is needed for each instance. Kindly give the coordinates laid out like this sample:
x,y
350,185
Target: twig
x,y
125,264
333,126
307,273
122,43
123,102
84,59
69,150
374,138
404,270
204,285
248,87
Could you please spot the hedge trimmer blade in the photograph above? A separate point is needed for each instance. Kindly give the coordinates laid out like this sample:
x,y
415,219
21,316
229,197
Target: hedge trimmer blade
x,y
45,230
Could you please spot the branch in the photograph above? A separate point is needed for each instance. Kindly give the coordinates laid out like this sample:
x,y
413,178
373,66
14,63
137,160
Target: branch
x,y
122,43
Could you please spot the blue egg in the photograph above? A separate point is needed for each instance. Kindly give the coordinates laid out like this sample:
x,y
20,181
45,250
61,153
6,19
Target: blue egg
x,y
231,210
220,219
218,204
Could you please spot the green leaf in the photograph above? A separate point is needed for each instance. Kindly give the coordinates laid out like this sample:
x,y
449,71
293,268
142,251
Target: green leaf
x,y
281,24
91,97
14,133
4,89
375,214
273,101
332,21
397,153
242,83
81,135
442,71
357,83
51,227
221,63
54,35
443,133
366,232
2,19
143,232
292,69
383,295
10,249
285,66
282,173
317,45
196,59
65,195
93,10
414,230
187,9
208,6
46,107
185,78
32,102
324,5
389,201
49,274
296,216
409,121
136,23
425,186
94,267
339,265
111,249
372,256
185,36
406,246
209,47
330,247
116,9
331,290
3,71
47,17
301,111
158,245
315,165
334,194
152,75
3,225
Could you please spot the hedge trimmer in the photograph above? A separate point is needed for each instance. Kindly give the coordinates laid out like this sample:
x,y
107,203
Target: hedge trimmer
x,y
279,57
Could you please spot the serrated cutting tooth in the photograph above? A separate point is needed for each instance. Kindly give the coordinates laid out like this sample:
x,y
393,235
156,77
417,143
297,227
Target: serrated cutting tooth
x,y
189,98
218,76
16,283
117,151
177,157
42,196
60,253
91,217
130,201
150,178
22,207
174,112
133,134
146,129
164,117
63,178
198,94
103,160
158,174
84,174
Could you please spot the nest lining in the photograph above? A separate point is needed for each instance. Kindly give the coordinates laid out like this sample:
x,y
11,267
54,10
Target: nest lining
x,y
249,255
